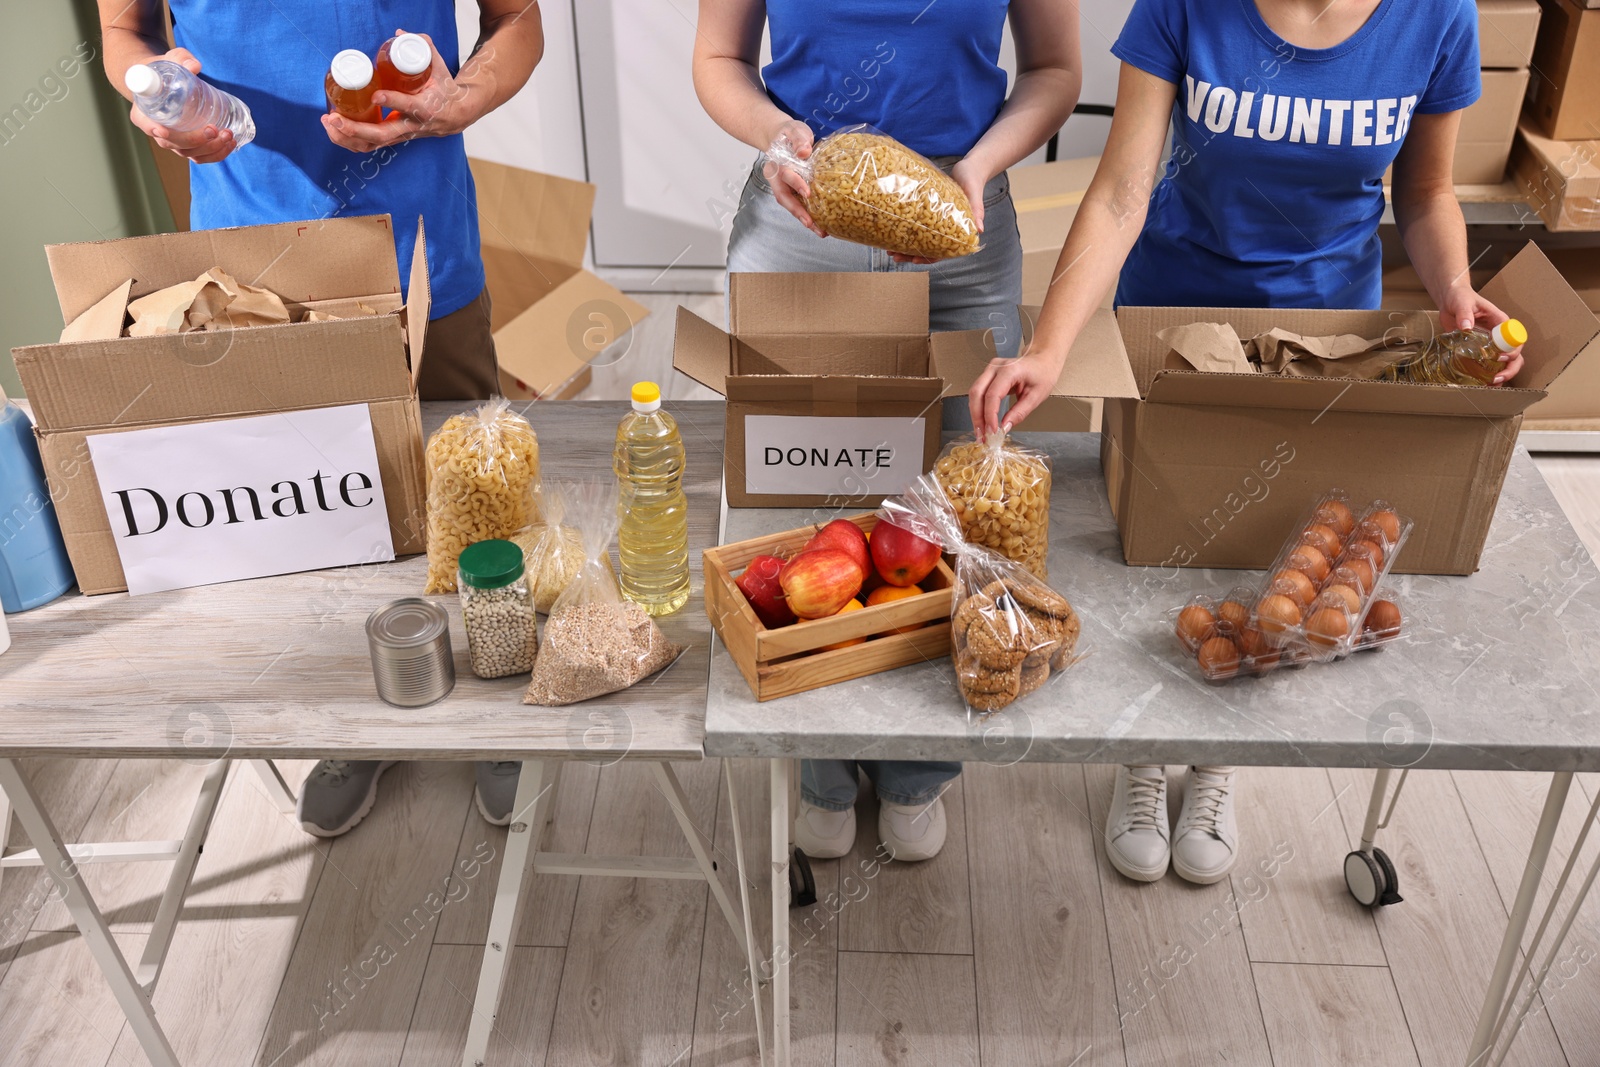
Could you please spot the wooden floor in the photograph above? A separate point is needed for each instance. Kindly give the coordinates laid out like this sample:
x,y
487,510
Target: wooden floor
x,y
1017,946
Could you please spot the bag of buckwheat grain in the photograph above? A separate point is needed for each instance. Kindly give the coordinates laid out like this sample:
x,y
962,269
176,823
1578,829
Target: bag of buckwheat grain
x,y
595,642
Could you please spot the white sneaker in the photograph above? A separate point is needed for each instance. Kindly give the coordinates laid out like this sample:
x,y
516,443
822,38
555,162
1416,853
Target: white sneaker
x,y
822,834
1137,842
912,832
1206,841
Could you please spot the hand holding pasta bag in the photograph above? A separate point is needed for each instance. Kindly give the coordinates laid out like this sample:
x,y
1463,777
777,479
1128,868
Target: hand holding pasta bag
x,y
1001,493
1008,629
594,641
483,483
868,188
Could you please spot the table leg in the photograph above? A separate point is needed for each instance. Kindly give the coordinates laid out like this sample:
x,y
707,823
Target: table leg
x,y
1517,924
133,1001
277,789
782,772
5,826
700,845
522,845
744,907
182,873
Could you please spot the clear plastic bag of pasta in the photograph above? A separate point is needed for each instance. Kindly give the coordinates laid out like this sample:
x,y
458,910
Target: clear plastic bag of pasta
x,y
1009,630
483,483
1001,493
595,642
869,188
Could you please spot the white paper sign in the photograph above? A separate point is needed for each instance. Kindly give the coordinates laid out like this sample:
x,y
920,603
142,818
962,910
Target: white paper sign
x,y
241,498
836,455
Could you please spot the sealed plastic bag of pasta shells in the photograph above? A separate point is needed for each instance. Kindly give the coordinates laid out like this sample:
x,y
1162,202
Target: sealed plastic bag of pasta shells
x,y
483,483
1009,630
1001,493
869,188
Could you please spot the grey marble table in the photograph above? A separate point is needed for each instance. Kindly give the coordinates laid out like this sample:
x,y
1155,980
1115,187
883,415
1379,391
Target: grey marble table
x,y
1497,671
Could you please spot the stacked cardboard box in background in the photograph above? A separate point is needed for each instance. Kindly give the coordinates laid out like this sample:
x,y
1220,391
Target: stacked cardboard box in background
x,y
1507,30
1557,155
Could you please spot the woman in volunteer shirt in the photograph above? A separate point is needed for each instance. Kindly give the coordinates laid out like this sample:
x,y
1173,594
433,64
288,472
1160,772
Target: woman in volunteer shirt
x,y
928,75
1284,116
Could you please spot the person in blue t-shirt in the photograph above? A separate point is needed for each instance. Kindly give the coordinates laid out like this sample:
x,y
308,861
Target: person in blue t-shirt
x,y
305,164
1284,115
928,75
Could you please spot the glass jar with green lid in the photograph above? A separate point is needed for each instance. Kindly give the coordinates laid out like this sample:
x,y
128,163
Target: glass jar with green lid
x,y
497,608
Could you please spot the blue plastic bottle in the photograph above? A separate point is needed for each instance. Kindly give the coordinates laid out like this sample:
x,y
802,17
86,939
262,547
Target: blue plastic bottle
x,y
34,568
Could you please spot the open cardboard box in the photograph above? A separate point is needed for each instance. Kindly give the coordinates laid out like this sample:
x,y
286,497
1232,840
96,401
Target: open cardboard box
x,y
840,371
550,317
95,381
1210,470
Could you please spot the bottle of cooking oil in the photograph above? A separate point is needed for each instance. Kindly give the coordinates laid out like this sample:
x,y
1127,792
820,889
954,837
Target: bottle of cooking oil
x,y
1462,357
653,536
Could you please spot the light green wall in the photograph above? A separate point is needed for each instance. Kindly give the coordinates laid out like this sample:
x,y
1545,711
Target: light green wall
x,y
70,166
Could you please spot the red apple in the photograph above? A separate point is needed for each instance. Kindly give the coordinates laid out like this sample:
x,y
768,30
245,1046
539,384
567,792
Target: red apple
x,y
845,536
759,584
820,582
901,556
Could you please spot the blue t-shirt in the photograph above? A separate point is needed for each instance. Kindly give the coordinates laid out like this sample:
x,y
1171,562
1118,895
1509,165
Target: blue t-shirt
x,y
1275,187
274,56
926,74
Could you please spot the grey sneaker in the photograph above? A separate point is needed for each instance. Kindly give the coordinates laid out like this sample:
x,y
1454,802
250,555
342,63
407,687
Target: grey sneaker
x,y
497,790
338,794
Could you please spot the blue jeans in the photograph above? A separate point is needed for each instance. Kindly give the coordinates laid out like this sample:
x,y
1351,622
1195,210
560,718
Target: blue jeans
x,y
976,292
831,783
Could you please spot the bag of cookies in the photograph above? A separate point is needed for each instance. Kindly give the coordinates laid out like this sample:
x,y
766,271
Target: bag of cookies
x,y
483,483
595,642
869,188
1001,493
1009,630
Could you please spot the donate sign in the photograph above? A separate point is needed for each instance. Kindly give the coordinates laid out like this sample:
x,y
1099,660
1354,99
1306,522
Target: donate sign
x,y
240,498
835,455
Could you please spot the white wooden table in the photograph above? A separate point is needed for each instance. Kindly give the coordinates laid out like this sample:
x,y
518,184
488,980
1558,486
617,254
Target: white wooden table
x,y
278,668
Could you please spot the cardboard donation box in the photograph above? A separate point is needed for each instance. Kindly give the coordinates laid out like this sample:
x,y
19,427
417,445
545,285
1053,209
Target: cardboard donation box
x,y
550,316
834,385
1208,469
95,382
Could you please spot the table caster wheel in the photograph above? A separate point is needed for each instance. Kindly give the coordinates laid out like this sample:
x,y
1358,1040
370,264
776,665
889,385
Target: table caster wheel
x,y
802,883
1371,879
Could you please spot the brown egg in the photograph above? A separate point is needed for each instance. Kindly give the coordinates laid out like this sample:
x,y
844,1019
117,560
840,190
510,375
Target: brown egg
x,y
1231,617
1387,523
1326,626
1324,538
1336,514
1310,561
1357,573
1219,656
1294,585
1371,551
1383,619
1277,613
1196,625
1253,644
1341,595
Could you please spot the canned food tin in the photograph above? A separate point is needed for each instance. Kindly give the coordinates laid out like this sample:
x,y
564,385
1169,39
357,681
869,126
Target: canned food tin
x,y
412,664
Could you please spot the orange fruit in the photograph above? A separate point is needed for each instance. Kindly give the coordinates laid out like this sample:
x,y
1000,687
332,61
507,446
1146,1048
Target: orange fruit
x,y
853,605
884,594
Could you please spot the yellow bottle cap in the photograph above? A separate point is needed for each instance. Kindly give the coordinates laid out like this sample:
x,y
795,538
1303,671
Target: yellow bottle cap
x,y
646,392
1513,333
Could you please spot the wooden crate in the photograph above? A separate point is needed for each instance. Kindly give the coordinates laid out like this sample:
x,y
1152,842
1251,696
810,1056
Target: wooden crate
x,y
789,659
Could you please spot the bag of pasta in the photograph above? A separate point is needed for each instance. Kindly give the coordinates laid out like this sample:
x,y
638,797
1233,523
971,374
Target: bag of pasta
x,y
483,483
1001,494
1008,629
595,642
552,549
869,188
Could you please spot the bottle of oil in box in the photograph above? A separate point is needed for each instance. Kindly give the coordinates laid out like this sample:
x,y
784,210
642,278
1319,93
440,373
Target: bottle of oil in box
x,y
1462,357
653,536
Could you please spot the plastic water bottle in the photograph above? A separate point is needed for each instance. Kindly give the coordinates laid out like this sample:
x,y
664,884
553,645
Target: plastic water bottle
x,y
653,535
34,568
1461,357
178,100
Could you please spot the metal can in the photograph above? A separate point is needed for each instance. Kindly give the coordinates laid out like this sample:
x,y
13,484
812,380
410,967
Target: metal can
x,y
412,664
